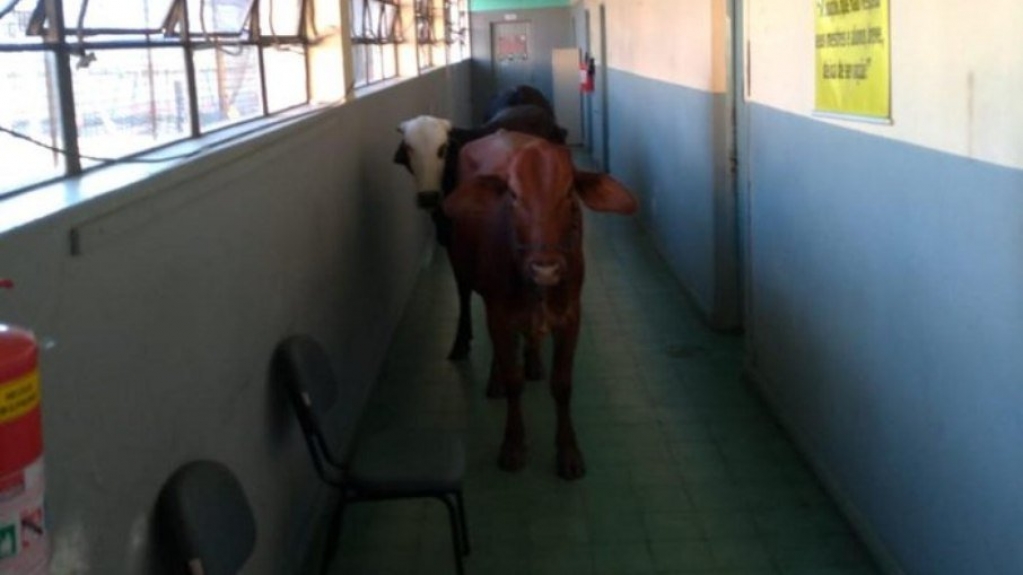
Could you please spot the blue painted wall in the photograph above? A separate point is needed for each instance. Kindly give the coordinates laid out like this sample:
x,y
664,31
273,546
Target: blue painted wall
x,y
886,309
662,145
886,327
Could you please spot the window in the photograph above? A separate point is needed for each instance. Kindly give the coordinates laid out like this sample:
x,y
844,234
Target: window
x,y
87,82
429,34
456,29
376,33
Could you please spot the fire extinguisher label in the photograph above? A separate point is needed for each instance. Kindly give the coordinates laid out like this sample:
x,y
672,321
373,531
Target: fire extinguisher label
x,y
8,540
23,534
19,396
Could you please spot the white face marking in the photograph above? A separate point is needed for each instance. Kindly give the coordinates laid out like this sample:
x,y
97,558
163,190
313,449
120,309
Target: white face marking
x,y
424,137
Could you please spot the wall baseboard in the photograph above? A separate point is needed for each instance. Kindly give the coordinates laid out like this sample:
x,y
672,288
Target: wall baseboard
x,y
883,558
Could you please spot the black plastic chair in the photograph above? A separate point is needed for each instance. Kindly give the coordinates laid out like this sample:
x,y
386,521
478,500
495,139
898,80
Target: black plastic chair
x,y
393,464
205,519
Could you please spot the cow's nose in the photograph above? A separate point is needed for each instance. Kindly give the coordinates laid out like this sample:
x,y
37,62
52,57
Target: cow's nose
x,y
428,200
545,273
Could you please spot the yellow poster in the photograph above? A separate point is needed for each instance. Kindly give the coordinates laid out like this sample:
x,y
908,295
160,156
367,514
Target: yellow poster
x,y
853,74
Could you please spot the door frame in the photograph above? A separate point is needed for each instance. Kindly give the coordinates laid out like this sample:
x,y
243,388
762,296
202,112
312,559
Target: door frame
x,y
605,123
739,158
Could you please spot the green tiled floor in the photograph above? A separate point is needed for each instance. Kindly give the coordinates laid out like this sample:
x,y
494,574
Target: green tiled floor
x,y
687,471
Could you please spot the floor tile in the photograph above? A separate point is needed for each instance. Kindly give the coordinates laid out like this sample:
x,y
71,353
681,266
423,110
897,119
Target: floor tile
x,y
622,559
687,471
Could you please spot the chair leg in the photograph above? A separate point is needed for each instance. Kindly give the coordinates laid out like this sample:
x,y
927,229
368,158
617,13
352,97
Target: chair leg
x,y
465,526
456,538
333,534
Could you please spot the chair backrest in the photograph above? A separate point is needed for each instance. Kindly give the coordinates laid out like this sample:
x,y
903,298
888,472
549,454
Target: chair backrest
x,y
302,367
206,519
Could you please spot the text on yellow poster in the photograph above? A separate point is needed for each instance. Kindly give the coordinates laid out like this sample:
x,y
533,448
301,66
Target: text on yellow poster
x,y
853,75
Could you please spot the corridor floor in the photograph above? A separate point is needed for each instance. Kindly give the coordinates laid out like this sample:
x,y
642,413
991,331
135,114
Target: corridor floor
x,y
687,470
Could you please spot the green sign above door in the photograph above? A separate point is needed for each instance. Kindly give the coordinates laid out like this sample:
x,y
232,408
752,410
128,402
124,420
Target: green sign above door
x,y
483,5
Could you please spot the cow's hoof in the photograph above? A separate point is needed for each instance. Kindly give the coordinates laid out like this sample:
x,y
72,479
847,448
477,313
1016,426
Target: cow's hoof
x,y
512,458
570,464
495,389
459,352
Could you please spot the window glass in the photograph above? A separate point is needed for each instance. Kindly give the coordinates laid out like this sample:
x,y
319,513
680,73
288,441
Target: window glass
x,y
116,14
131,88
456,29
388,60
280,17
286,68
128,100
376,31
325,18
30,110
218,16
361,64
227,85
425,32
14,23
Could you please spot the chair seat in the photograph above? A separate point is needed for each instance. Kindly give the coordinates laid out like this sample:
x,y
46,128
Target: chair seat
x,y
408,461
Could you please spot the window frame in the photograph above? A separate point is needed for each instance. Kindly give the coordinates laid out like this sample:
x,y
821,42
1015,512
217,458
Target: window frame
x,y
430,33
68,46
41,28
456,32
382,44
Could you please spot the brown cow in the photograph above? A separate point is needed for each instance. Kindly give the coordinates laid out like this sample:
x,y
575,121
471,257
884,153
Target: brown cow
x,y
518,243
430,148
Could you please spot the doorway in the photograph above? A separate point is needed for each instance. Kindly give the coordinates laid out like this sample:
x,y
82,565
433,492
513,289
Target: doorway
x,y
511,54
598,123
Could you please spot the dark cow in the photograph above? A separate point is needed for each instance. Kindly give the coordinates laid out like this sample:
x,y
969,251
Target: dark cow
x,y
521,95
429,150
517,241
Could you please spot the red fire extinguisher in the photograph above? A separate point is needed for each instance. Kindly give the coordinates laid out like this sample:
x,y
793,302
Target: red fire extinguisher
x,y
587,70
23,534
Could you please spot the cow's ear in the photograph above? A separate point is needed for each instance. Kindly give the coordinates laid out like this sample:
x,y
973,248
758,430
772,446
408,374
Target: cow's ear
x,y
602,193
474,196
401,155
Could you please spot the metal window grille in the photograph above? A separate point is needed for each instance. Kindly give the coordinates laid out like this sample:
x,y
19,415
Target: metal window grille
x,y
90,82
426,37
376,33
456,29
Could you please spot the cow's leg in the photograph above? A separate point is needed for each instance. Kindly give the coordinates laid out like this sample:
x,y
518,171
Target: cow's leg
x,y
460,348
506,376
495,384
569,457
531,358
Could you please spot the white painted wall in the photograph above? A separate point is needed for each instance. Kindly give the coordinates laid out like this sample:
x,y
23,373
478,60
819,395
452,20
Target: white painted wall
x,y
675,41
956,66
165,323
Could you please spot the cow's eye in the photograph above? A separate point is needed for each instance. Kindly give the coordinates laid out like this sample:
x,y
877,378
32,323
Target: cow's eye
x,y
442,150
409,150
